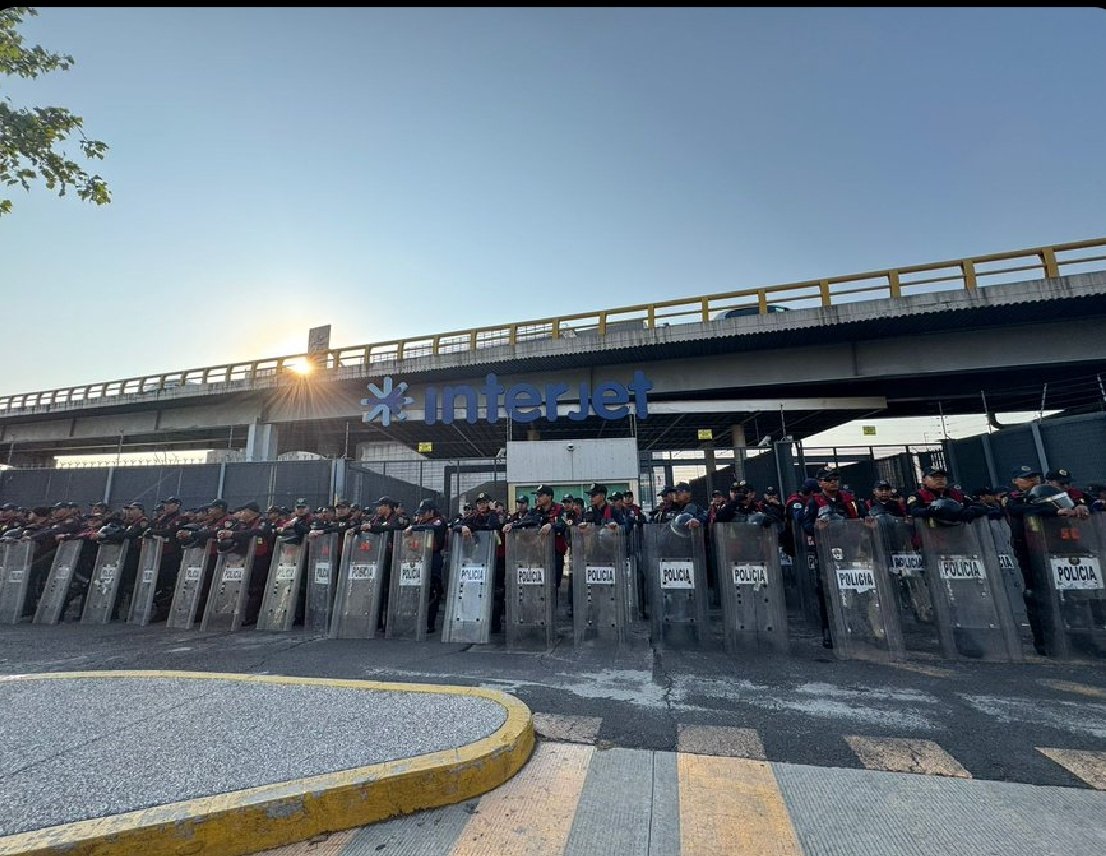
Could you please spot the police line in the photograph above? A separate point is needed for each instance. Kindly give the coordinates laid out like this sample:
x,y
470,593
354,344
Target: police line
x,y
882,587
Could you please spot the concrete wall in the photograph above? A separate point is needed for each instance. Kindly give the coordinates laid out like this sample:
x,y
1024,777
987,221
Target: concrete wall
x,y
552,461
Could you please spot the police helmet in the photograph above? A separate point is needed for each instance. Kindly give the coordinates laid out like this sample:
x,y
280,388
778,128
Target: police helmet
x,y
947,511
427,505
111,530
679,524
1043,493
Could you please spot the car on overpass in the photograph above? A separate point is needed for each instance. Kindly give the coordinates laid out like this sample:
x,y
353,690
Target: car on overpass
x,y
745,311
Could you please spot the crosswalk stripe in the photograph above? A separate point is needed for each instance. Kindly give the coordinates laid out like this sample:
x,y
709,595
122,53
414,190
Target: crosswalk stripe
x,y
720,740
616,805
533,812
567,729
1088,766
1071,687
901,755
931,671
735,804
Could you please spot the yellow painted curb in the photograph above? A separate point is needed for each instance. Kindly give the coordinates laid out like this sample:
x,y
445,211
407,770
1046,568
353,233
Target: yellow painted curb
x,y
254,819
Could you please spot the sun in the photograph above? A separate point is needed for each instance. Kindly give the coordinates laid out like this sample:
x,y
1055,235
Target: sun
x,y
300,366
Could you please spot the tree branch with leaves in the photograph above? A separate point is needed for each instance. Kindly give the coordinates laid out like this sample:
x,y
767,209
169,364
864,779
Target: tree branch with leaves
x,y
32,139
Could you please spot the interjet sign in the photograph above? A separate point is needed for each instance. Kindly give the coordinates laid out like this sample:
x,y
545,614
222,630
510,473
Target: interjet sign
x,y
522,402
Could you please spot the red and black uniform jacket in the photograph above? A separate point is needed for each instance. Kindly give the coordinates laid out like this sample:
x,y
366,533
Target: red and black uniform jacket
x,y
554,515
842,502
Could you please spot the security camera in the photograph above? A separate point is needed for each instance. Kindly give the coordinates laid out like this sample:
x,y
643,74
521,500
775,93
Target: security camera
x,y
570,446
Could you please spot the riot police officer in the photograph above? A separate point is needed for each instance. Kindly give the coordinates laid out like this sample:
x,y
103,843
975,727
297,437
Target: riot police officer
x,y
427,519
295,529
1062,479
1020,504
884,501
828,502
935,502
249,524
549,517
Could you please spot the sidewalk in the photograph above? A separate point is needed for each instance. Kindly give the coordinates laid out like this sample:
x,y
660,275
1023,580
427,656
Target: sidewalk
x,y
168,762
577,800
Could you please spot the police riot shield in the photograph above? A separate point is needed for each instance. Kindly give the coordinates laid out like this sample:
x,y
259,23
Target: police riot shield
x,y
996,538
754,603
599,603
864,623
468,615
322,576
633,574
230,586
145,584
59,582
1069,593
357,602
15,574
409,590
529,598
103,588
909,584
969,600
282,588
192,583
806,575
675,567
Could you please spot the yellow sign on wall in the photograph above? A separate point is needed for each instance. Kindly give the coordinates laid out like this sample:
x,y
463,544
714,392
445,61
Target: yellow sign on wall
x,y
869,430
426,447
706,434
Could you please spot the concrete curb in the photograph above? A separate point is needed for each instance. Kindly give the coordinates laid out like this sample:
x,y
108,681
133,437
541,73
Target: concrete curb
x,y
254,819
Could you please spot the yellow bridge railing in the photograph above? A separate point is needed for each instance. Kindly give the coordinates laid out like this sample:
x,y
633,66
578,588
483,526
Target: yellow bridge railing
x,y
962,274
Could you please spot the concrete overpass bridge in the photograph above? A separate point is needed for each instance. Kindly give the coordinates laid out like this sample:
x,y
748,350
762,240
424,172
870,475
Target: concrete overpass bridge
x,y
790,359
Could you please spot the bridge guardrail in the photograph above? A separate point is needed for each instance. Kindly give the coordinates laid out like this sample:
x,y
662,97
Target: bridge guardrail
x,y
960,274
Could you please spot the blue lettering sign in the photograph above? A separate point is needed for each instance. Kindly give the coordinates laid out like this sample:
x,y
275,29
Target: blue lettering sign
x,y
523,402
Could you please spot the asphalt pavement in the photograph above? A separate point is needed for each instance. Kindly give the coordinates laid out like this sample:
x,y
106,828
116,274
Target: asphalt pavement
x,y
1001,722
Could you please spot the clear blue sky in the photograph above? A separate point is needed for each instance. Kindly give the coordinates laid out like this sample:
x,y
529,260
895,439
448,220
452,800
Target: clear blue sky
x,y
400,172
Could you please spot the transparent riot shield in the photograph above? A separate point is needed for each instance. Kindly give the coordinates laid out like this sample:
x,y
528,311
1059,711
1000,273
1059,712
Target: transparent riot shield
x,y
15,574
633,587
470,598
282,588
636,548
863,620
996,538
230,586
675,567
192,583
529,598
59,581
1069,594
754,603
806,575
357,602
909,584
322,574
145,583
103,588
409,591
599,604
969,599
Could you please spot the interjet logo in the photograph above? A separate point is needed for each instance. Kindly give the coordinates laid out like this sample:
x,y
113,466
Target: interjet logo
x,y
522,402
387,402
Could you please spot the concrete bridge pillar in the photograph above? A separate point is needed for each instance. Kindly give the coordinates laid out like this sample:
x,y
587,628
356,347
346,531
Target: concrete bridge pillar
x,y
737,432
261,443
